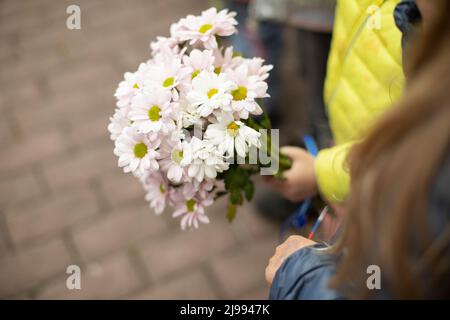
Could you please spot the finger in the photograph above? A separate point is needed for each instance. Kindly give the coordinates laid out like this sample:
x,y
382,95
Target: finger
x,y
290,151
289,174
269,274
294,238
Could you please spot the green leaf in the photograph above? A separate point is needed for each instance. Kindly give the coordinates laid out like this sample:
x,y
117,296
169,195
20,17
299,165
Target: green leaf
x,y
227,177
236,196
250,122
265,121
231,212
238,183
249,190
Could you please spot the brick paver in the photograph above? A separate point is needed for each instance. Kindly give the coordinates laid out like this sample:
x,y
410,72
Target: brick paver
x,y
48,217
189,285
63,200
110,278
28,267
100,237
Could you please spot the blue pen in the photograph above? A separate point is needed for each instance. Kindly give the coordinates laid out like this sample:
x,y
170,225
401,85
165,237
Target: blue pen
x,y
300,214
310,145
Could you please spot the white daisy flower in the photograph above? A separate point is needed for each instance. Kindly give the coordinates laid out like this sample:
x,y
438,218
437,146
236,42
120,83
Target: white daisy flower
x,y
202,29
248,89
118,122
229,135
257,68
171,159
151,111
204,160
164,43
132,84
225,59
177,134
203,189
190,118
193,211
187,115
193,189
209,92
198,61
157,191
137,154
167,72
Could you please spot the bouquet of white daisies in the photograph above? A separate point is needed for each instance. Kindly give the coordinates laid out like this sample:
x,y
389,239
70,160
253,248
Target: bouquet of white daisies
x,y
183,122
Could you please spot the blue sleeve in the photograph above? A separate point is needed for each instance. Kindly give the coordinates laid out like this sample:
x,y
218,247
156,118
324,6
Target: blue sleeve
x,y
304,276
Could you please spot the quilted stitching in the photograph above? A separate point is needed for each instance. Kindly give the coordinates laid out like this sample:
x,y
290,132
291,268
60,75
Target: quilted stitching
x,y
363,66
356,75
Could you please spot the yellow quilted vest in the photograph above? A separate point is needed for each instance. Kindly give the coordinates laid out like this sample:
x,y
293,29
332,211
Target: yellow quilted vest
x,y
364,77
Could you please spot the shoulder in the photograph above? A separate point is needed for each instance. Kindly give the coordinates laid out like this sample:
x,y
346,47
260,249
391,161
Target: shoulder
x,y
305,275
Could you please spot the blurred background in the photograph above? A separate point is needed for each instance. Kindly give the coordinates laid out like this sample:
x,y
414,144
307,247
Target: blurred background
x,y
64,201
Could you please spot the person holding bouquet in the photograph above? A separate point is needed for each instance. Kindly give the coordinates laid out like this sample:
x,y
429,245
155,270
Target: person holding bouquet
x,y
397,211
364,78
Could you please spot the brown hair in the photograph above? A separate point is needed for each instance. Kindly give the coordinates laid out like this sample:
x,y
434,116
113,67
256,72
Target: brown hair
x,y
393,171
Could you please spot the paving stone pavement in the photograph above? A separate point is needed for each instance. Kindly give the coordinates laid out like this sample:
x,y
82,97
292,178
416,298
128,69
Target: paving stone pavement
x,y
63,201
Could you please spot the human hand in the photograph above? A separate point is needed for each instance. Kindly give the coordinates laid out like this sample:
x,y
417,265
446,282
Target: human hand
x,y
299,181
282,252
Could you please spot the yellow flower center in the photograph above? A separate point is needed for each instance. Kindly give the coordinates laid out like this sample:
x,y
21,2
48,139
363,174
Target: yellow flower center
x,y
168,82
136,86
140,150
205,27
161,188
240,93
233,129
212,92
177,156
217,70
154,113
195,73
190,205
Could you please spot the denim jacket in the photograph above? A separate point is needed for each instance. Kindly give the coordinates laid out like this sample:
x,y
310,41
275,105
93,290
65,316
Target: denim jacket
x,y
305,274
